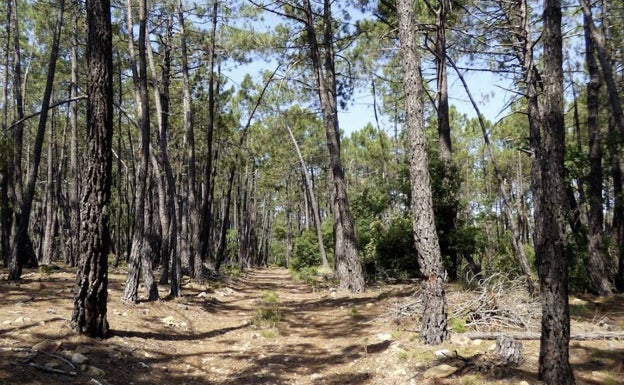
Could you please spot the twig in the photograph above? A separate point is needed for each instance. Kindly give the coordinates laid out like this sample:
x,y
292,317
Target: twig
x,y
61,358
49,369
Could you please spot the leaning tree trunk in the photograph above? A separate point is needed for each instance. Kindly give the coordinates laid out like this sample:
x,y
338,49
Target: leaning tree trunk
x,y
89,314
549,236
596,258
434,323
347,262
21,249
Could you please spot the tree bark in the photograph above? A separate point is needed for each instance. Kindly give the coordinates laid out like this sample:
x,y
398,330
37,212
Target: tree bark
x,y
596,258
434,323
347,262
139,250
89,313
549,236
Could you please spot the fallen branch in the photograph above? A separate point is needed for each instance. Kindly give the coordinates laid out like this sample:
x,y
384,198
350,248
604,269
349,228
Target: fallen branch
x,y
591,336
49,369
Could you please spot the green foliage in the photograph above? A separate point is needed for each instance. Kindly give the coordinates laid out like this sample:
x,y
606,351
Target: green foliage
x,y
269,314
306,249
391,248
306,274
458,325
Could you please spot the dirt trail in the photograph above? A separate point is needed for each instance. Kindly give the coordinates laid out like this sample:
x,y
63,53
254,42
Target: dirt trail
x,y
206,337
212,336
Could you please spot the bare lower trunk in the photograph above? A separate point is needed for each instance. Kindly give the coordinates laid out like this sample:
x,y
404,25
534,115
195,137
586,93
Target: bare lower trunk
x,y
434,328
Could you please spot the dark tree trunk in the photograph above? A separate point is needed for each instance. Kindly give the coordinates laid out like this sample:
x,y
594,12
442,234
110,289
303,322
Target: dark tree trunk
x,y
21,250
434,323
194,224
89,314
549,236
596,258
346,259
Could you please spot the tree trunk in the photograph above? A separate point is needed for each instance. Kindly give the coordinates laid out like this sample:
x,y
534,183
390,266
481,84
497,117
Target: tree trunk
x,y
194,224
139,250
21,250
596,257
549,236
348,267
74,185
89,314
315,209
434,323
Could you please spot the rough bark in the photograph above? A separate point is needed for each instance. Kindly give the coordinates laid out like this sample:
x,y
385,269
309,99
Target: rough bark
x,y
549,236
140,248
596,258
89,313
74,185
434,323
347,262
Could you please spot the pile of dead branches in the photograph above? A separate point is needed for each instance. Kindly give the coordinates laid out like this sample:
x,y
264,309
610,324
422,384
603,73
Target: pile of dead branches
x,y
495,303
486,304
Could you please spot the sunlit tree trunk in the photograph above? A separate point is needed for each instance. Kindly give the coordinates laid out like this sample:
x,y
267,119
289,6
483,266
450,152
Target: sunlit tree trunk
x,y
434,328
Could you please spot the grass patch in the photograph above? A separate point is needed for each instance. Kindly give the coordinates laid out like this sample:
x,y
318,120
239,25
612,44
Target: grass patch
x,y
269,314
306,274
458,325
355,314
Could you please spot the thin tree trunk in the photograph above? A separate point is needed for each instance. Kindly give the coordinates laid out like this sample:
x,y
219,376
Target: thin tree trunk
x,y
516,235
20,251
205,246
434,328
138,253
194,227
313,203
74,185
596,257
347,262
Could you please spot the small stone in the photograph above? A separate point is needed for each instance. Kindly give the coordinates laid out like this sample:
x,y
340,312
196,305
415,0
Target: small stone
x,y
169,320
442,353
79,358
96,372
19,320
384,337
370,304
7,322
47,346
124,314
203,294
523,383
440,371
316,376
477,342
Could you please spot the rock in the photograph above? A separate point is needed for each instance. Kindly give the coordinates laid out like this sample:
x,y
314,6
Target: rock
x,y
79,358
203,294
316,376
47,346
477,342
52,364
384,337
442,353
19,320
169,320
440,371
96,372
523,383
7,322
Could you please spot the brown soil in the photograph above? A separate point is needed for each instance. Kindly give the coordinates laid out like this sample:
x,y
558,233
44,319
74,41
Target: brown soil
x,y
233,332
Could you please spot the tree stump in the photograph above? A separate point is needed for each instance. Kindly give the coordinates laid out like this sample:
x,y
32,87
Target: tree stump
x,y
509,351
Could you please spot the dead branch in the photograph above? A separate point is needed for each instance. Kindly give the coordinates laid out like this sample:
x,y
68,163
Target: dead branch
x,y
590,336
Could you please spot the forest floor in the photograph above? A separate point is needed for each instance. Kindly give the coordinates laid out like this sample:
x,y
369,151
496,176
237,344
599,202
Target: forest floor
x,y
265,328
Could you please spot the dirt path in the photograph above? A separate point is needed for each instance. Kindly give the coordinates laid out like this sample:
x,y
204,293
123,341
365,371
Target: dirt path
x,y
220,334
209,336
